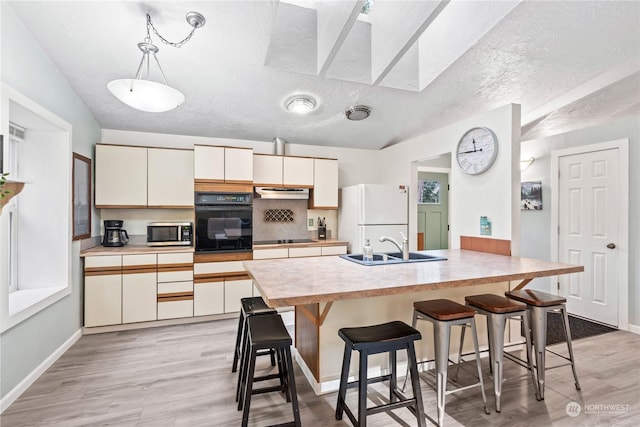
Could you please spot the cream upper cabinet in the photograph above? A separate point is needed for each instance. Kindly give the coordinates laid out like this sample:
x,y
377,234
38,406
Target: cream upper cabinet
x,y
208,163
297,171
238,165
121,176
170,178
325,184
267,170
223,164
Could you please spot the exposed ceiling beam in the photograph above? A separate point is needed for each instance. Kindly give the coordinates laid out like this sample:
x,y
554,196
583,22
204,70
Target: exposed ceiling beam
x,y
391,41
586,89
335,21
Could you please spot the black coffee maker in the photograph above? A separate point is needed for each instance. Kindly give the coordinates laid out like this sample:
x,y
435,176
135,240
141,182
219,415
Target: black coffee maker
x,y
114,235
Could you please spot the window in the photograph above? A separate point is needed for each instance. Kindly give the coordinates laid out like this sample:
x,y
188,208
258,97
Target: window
x,y
16,137
38,151
429,192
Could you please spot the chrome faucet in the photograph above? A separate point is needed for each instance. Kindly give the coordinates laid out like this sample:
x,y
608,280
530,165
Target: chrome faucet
x,y
404,248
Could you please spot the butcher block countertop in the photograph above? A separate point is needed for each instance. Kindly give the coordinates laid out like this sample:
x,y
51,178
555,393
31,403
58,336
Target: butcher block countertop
x,y
133,250
299,281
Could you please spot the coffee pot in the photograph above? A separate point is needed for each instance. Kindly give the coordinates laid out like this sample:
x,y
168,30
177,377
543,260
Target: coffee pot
x,y
114,235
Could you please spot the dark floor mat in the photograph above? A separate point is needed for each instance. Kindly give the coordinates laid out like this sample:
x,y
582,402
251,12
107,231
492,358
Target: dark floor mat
x,y
580,328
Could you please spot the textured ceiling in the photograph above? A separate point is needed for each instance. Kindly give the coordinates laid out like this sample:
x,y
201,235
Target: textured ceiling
x,y
419,65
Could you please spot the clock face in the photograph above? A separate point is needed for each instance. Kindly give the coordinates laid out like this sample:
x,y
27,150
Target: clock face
x,y
477,150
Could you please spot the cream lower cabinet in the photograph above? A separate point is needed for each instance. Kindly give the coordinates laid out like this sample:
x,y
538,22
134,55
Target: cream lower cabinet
x,y
103,291
234,290
208,297
273,253
219,285
139,293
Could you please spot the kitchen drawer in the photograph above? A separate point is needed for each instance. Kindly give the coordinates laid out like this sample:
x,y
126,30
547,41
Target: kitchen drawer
x,y
271,253
175,276
175,287
175,258
103,261
334,250
175,308
302,252
141,260
218,267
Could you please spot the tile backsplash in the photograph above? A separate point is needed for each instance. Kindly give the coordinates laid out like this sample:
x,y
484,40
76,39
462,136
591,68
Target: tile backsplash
x,y
289,219
273,230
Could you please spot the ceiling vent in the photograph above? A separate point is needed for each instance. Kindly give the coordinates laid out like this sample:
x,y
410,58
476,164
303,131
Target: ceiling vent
x,y
357,112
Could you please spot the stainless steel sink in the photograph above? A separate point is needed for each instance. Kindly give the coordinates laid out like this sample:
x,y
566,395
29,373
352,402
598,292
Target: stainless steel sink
x,y
392,258
417,256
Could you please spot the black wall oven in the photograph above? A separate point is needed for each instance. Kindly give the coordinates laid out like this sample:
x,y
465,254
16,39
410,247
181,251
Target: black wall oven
x,y
224,222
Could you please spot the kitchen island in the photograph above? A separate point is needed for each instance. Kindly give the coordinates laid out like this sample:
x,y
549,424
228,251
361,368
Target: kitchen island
x,y
331,292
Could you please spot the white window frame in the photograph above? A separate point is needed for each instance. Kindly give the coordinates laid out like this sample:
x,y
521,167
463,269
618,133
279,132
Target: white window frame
x,y
17,306
12,166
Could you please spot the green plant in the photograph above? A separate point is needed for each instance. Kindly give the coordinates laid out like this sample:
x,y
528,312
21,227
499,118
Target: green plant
x,y
3,180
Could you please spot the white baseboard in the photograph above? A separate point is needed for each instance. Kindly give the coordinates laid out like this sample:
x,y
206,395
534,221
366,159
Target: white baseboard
x,y
633,328
14,394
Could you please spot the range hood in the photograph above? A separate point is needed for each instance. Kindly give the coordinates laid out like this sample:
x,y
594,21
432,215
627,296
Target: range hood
x,y
282,193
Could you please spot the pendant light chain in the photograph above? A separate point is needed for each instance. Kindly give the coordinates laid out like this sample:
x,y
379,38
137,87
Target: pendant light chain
x,y
155,31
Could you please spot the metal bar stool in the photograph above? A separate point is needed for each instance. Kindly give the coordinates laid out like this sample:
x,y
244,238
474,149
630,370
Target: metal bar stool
x,y
444,314
498,309
267,332
383,338
252,306
539,304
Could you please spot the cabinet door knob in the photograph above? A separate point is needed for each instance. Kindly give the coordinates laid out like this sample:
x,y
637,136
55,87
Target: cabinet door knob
x,y
611,245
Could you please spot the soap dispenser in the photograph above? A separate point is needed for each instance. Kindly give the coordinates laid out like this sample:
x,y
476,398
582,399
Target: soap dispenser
x,y
367,252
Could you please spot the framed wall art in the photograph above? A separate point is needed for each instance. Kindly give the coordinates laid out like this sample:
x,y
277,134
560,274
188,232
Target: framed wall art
x,y
531,196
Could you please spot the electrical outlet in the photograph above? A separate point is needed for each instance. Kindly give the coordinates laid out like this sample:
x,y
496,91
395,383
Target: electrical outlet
x,y
310,222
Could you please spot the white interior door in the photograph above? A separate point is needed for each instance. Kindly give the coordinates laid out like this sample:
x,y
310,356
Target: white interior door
x,y
588,233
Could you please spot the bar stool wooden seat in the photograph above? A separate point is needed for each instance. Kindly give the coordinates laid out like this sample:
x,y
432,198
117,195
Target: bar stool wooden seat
x,y
498,309
539,304
368,340
251,306
444,314
267,332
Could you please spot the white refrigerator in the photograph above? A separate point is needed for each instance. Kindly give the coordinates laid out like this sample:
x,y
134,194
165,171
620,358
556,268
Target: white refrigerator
x,y
370,211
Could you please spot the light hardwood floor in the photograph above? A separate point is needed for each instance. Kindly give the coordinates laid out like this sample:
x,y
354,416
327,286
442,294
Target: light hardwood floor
x,y
180,376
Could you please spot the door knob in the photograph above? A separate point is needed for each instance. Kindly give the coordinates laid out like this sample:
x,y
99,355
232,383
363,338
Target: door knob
x,y
611,245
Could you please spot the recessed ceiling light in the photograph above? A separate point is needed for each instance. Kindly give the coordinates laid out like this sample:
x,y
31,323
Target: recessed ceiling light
x,y
301,105
357,112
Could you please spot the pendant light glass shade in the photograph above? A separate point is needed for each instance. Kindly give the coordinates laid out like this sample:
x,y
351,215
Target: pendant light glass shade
x,y
146,95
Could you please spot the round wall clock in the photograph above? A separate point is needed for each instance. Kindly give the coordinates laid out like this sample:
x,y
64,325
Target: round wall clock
x,y
477,150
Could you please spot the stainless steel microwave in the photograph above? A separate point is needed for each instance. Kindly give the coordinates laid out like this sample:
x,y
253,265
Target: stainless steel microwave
x,y
169,234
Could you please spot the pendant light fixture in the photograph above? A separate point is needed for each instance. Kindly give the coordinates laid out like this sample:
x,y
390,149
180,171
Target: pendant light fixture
x,y
148,95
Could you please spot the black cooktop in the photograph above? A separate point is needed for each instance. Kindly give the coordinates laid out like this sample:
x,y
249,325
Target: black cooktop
x,y
281,241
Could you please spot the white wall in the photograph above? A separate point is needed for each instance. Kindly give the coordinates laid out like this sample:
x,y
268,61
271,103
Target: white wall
x,y
495,194
536,225
27,69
